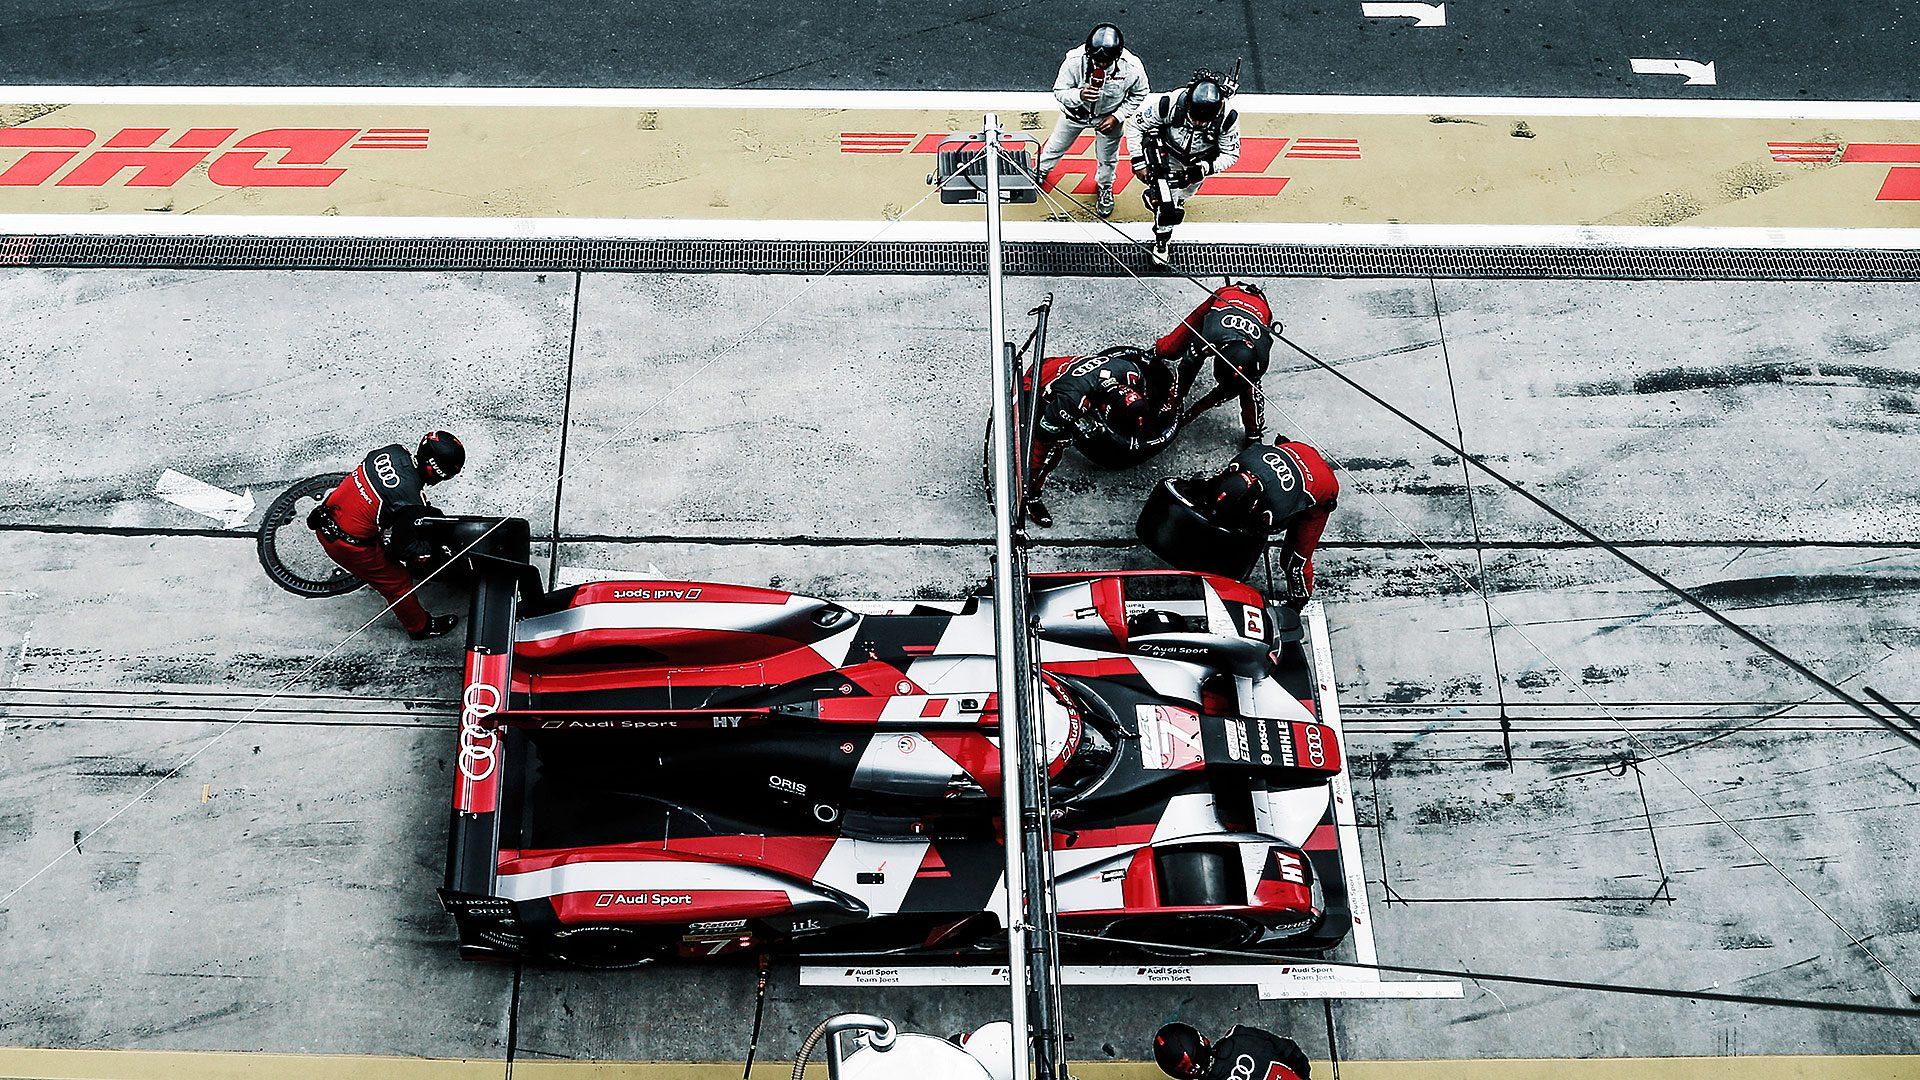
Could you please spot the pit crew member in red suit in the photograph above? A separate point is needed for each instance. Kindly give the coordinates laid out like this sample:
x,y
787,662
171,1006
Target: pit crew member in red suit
x,y
1244,1053
1233,328
1287,491
366,524
1107,395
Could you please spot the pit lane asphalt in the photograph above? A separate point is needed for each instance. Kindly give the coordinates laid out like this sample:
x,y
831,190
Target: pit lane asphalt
x,y
1846,50
279,891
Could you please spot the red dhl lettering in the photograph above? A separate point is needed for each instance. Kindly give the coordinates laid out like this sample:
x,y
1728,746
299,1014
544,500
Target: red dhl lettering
x,y
277,157
1247,177
1901,184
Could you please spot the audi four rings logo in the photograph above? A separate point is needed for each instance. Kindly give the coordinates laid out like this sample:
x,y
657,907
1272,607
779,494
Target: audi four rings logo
x,y
479,744
1279,466
384,466
1240,324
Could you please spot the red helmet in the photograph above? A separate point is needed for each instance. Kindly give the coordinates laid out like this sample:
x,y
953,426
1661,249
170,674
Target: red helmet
x,y
1125,409
1235,501
1181,1051
440,456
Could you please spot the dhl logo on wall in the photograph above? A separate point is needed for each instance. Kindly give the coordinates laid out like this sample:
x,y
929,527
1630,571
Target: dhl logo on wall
x,y
1901,185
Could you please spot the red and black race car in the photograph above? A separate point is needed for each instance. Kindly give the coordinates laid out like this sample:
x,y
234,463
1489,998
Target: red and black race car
x,y
650,769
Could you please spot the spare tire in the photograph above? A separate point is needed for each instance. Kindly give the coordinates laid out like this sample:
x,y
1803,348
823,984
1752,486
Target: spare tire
x,y
1183,537
299,564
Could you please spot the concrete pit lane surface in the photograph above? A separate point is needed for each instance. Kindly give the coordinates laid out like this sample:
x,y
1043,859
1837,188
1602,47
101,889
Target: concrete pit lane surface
x,y
1752,440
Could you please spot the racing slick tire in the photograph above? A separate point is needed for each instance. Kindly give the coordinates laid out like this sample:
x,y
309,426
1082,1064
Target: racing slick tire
x,y
303,568
1184,539
1179,934
605,948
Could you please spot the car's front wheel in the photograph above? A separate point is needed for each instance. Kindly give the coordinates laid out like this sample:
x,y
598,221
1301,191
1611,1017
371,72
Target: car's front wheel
x,y
606,948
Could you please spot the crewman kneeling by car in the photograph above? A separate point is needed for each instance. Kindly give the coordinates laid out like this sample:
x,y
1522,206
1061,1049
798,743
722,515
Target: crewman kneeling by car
x,y
368,519
1244,1053
1111,394
1286,490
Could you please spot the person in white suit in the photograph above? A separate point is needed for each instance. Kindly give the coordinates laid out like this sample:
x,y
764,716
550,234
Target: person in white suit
x,y
1101,86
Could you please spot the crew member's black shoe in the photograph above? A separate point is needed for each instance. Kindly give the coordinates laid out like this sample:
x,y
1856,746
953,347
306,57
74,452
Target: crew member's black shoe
x,y
1037,513
437,626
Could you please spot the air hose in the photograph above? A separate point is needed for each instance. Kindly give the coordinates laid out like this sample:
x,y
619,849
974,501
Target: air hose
x,y
806,1048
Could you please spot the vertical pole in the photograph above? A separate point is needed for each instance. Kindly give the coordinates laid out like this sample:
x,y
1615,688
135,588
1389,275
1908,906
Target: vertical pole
x,y
1009,620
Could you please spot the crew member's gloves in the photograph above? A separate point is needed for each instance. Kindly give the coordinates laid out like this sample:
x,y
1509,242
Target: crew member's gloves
x,y
1141,169
1297,592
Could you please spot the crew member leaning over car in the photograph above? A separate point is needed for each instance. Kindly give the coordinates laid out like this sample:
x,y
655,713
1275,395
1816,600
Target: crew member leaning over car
x,y
1286,490
1233,327
366,524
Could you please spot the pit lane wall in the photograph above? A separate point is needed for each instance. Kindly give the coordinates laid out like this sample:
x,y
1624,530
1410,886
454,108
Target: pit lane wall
x,y
864,156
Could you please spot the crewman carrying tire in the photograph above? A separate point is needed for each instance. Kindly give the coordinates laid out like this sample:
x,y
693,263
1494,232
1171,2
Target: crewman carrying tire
x,y
367,523
1285,491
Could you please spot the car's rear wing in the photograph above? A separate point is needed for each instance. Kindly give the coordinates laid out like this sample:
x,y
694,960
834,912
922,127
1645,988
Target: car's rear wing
x,y
503,576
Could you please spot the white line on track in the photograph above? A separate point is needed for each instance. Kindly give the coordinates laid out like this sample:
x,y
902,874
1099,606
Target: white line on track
x,y
1061,232
964,100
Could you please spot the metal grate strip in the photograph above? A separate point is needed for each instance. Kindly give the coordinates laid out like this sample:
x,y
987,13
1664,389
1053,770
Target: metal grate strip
x,y
946,257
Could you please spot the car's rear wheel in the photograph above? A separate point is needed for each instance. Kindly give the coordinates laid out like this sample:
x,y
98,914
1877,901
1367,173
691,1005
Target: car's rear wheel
x,y
606,948
289,551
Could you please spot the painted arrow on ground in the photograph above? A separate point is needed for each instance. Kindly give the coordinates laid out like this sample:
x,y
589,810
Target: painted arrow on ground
x,y
1697,73
188,493
1421,14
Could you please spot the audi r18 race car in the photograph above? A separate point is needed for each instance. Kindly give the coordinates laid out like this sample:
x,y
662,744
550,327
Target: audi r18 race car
x,y
650,769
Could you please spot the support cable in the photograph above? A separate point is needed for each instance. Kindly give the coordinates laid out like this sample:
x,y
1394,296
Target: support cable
x,y
1580,688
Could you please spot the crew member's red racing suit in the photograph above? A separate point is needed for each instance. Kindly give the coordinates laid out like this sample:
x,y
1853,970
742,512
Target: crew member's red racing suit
x,y
380,499
1069,413
1234,328
1296,494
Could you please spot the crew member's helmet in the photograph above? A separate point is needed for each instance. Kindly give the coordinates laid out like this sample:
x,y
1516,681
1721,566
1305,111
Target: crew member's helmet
x,y
1181,1051
1104,44
1205,100
440,456
1235,501
1125,409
